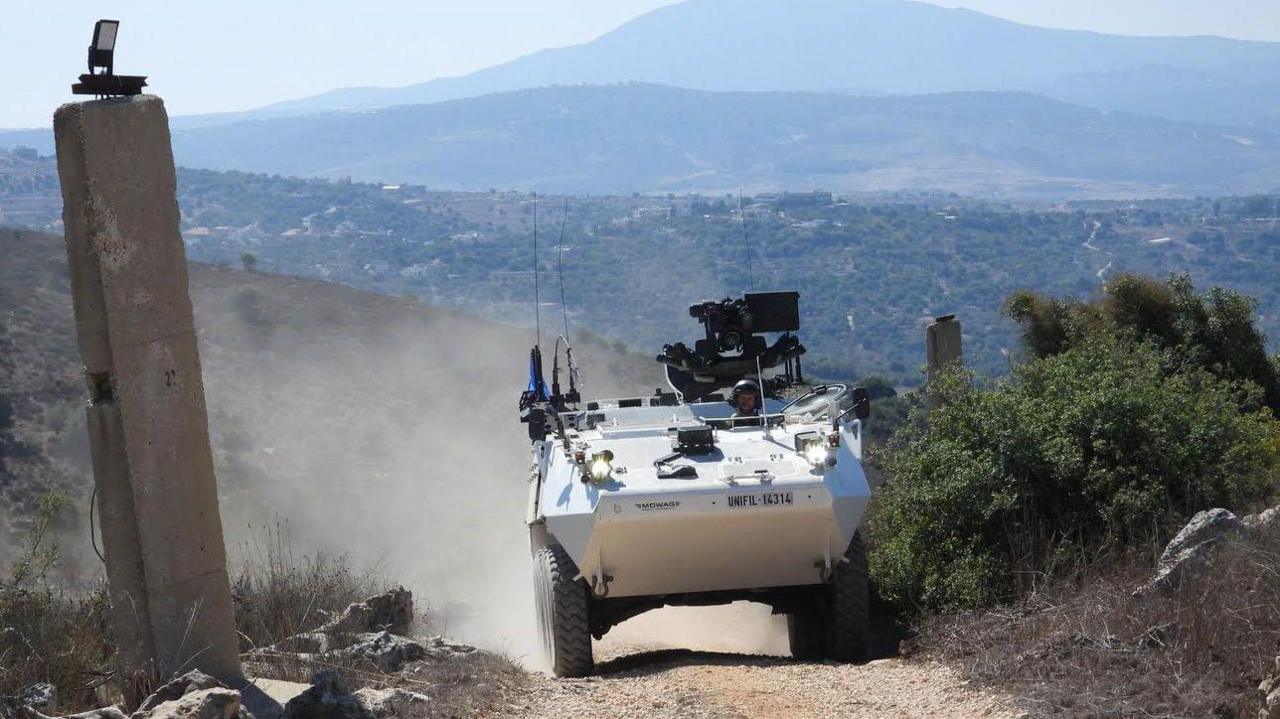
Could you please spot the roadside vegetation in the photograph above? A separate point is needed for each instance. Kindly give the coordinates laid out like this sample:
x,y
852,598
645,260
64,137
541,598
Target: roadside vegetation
x,y
1023,511
59,633
50,632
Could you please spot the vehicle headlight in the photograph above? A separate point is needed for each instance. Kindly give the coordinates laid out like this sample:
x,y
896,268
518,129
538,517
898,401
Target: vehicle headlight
x,y
816,454
601,466
815,448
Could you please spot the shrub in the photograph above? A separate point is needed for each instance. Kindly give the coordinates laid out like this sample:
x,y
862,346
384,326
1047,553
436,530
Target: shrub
x,y
1077,453
47,635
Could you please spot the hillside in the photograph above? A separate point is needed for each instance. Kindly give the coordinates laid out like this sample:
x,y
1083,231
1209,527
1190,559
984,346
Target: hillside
x,y
869,47
386,425
871,269
870,272
651,138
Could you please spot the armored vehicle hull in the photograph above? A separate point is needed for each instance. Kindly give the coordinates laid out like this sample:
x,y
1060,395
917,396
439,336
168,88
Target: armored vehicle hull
x,y
688,498
749,517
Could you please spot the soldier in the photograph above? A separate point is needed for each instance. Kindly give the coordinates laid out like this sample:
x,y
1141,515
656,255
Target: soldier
x,y
746,399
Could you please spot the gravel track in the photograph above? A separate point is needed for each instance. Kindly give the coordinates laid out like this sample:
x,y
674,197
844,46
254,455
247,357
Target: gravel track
x,y
707,685
640,676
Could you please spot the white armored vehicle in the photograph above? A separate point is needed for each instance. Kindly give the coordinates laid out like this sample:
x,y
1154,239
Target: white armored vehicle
x,y
690,497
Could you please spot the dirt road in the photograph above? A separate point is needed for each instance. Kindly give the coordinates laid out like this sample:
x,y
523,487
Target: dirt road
x,y
639,678
706,685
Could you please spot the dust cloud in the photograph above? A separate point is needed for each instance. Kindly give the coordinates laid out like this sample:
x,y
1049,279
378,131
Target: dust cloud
x,y
385,431
740,628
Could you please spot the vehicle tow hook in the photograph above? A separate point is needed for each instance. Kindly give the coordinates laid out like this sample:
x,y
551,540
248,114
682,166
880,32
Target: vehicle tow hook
x,y
826,570
600,585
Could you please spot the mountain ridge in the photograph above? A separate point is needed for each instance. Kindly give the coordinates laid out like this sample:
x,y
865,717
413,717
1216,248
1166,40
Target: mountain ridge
x,y
872,46
652,138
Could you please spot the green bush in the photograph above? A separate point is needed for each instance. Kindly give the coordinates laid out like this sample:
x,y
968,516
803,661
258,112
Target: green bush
x,y
1097,447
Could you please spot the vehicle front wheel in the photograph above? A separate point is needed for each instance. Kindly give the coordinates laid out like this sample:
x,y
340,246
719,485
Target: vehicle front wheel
x,y
849,598
563,606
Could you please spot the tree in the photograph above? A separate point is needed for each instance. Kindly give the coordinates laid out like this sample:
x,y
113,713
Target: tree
x,y
249,261
1215,331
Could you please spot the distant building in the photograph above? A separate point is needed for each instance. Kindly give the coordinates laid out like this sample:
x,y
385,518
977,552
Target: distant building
x,y
26,153
792,200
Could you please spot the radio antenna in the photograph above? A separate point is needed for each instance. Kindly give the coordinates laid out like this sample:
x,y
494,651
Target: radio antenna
x,y
537,308
564,309
746,245
574,378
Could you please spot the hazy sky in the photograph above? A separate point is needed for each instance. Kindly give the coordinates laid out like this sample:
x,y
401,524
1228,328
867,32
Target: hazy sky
x,y
237,54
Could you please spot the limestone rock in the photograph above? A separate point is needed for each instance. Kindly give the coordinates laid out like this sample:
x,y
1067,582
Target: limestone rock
x,y
1270,688
194,680
1267,519
328,698
393,703
29,702
1190,546
42,696
385,650
441,648
391,611
1206,526
215,703
104,713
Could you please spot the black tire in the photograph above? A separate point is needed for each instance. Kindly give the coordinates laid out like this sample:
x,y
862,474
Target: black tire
x,y
806,633
847,616
563,606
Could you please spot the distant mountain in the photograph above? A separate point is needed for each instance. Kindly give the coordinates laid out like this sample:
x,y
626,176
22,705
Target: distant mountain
x,y
651,138
875,47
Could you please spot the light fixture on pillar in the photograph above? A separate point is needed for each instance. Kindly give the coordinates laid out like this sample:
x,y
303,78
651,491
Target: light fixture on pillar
x,y
102,56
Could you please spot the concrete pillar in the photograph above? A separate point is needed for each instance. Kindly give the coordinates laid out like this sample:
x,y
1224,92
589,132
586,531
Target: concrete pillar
x,y
942,348
148,426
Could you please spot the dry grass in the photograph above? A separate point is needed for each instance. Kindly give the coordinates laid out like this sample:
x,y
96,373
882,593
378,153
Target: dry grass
x,y
279,591
1088,648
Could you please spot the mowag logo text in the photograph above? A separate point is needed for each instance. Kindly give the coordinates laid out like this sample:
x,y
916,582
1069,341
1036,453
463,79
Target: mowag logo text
x,y
650,506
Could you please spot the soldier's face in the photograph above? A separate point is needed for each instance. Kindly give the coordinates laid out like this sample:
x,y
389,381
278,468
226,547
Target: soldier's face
x,y
747,402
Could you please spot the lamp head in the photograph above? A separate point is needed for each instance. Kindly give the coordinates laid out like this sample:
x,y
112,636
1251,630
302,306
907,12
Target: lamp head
x,y
102,53
102,49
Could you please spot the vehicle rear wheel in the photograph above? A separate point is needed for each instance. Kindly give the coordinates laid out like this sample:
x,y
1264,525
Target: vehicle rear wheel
x,y
563,606
806,634
847,610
